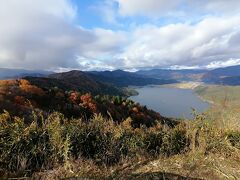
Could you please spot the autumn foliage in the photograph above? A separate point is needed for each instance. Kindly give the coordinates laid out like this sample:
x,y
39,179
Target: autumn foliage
x,y
20,100
28,88
88,102
73,97
20,96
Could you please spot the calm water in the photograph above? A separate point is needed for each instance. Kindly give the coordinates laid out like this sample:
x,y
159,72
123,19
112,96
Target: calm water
x,y
170,102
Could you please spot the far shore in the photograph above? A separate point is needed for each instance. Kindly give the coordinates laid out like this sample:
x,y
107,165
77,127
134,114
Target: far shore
x,y
184,85
189,85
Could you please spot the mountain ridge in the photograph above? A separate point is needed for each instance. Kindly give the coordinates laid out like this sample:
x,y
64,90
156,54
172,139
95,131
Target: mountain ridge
x,y
75,80
121,78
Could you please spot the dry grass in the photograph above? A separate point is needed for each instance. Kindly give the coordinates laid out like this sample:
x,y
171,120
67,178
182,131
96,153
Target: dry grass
x,y
46,144
210,154
225,109
212,166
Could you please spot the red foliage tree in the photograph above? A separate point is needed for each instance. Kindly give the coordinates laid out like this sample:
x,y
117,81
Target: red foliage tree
x,y
73,97
88,102
20,100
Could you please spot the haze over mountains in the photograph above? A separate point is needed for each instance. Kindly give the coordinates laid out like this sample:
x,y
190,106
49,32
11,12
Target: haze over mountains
x,y
6,73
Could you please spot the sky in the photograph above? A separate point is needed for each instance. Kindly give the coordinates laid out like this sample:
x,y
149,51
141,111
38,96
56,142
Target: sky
x,y
60,35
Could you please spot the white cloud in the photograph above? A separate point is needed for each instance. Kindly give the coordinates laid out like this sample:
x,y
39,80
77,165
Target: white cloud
x,y
37,34
107,42
106,9
223,6
146,7
159,8
183,44
176,67
219,64
40,34
94,65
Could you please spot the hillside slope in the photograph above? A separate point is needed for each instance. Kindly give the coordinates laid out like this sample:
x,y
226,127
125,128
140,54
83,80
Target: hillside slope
x,y
225,76
226,71
231,81
76,80
122,78
19,97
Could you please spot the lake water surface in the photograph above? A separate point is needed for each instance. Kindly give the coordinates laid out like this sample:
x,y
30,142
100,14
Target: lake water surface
x,y
170,102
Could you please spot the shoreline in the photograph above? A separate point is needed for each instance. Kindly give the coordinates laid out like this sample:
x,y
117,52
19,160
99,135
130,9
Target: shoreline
x,y
184,85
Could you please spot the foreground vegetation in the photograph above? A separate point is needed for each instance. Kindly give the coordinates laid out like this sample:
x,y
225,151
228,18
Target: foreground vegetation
x,y
101,147
110,137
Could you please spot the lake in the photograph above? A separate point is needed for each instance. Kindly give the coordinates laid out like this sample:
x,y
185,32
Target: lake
x,y
170,102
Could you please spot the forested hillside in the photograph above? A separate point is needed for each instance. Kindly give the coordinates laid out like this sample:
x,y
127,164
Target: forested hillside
x,y
20,97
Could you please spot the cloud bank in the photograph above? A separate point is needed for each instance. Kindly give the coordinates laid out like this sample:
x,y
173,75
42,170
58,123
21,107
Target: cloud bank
x,y
182,44
45,34
40,34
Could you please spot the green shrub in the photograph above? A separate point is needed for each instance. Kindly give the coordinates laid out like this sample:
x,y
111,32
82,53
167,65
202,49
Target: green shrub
x,y
166,142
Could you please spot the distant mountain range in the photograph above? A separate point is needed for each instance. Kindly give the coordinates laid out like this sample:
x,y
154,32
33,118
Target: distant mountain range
x,y
95,80
179,75
226,76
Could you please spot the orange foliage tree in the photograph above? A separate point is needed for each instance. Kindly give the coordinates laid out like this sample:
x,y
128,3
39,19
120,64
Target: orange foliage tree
x,y
88,102
28,88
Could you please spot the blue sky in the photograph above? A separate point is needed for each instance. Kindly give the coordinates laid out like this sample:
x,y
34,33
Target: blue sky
x,y
91,14
87,15
119,34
